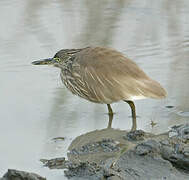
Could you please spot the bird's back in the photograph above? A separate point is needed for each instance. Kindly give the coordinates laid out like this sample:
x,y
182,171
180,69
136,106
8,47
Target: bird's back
x,y
104,75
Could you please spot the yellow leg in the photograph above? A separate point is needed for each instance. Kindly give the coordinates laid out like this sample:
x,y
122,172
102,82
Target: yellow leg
x,y
132,106
110,113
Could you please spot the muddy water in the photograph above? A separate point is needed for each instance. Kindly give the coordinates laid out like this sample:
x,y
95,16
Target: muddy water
x,y
34,105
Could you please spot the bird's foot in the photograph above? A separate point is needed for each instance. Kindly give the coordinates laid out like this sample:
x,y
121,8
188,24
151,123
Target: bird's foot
x,y
136,135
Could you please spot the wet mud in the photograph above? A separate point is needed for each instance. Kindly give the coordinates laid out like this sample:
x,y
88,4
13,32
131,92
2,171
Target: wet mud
x,y
116,154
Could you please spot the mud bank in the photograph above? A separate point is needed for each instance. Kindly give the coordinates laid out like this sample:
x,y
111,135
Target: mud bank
x,y
118,155
114,154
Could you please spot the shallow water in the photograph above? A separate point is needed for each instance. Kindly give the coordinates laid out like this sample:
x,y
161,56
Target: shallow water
x,y
34,105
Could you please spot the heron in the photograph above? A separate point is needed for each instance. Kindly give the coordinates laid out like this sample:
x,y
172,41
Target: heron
x,y
104,75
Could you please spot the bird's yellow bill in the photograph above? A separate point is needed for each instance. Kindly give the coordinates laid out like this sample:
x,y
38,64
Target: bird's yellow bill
x,y
48,61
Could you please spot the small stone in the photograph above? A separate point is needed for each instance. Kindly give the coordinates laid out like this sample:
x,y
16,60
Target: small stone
x,y
13,174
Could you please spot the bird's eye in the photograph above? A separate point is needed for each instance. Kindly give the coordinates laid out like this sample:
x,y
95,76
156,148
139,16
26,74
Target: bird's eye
x,y
57,59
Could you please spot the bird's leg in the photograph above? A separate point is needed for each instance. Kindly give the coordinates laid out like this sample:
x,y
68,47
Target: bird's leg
x,y
110,113
131,104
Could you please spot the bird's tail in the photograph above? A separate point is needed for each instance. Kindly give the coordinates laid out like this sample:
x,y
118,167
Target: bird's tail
x,y
153,89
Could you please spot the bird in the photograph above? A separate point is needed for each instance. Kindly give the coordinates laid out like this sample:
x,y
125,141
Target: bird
x,y
104,75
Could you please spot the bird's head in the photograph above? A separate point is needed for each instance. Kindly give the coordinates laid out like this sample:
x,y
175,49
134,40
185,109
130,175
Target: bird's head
x,y
59,58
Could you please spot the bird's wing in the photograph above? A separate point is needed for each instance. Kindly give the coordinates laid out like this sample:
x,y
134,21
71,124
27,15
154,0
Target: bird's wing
x,y
108,76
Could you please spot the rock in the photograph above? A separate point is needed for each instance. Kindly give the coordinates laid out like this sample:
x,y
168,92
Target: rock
x,y
57,163
150,146
175,148
113,154
84,170
21,175
181,131
132,165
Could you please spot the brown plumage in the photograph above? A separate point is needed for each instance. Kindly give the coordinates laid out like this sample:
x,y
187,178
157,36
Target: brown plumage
x,y
104,75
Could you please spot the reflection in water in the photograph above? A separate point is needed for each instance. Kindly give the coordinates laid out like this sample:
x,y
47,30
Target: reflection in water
x,y
97,146
34,106
35,25
99,26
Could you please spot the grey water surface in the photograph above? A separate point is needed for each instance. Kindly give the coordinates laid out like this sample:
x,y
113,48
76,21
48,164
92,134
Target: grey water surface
x,y
35,107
